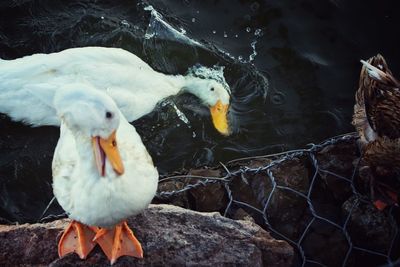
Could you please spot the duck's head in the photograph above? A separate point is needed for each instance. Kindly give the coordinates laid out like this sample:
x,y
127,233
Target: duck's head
x,y
216,97
92,114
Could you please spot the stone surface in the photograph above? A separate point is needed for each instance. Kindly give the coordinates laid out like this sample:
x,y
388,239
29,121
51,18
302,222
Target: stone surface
x,y
338,159
203,198
322,179
169,235
370,228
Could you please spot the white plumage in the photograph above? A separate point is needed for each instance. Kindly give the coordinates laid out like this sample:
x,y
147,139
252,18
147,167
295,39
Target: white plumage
x,y
83,193
28,84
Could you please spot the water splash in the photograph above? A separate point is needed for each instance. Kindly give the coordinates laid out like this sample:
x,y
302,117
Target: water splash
x,y
242,59
149,35
125,23
178,112
257,33
254,53
216,73
181,115
159,28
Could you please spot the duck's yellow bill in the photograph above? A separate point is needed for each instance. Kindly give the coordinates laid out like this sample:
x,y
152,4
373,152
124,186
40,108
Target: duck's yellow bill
x,y
219,115
107,149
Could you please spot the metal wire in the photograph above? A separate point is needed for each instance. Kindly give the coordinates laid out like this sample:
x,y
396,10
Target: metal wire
x,y
191,182
318,171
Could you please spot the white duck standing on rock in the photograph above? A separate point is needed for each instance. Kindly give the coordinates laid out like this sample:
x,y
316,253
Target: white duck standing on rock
x,y
102,173
28,84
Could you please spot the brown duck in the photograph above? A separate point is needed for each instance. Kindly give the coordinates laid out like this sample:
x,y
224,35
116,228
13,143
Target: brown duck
x,y
377,120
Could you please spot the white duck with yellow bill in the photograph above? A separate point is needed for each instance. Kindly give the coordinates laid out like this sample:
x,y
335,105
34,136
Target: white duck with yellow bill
x,y
102,173
28,84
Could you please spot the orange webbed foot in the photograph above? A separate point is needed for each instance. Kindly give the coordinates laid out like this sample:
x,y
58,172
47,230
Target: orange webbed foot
x,y
119,241
380,205
77,238
387,196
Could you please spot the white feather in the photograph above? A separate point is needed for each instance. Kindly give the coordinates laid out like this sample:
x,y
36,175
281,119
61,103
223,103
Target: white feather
x,y
28,84
373,71
81,191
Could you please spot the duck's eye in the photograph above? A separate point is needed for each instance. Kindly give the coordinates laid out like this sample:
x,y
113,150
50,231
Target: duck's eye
x,y
114,143
109,115
212,89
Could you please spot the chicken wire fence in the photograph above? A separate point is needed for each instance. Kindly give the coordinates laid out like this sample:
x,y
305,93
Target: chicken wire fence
x,y
304,258
305,255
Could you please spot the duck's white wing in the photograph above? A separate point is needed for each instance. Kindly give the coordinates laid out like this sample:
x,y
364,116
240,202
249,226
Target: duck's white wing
x,y
26,91
31,104
27,84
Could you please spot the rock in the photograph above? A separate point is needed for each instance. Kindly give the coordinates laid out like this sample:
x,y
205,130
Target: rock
x,y
210,198
288,212
169,235
241,214
339,158
180,200
298,193
370,228
205,198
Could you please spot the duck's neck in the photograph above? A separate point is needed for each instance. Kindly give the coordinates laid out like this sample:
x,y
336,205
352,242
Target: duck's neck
x,y
85,153
192,85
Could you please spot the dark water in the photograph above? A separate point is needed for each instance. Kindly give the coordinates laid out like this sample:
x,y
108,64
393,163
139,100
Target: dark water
x,y
308,52
292,66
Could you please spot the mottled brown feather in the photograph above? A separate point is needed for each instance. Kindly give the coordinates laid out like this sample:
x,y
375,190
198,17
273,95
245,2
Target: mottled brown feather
x,y
381,100
377,103
377,121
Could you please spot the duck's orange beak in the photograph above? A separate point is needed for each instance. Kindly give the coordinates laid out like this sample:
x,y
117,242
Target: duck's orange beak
x,y
219,115
107,149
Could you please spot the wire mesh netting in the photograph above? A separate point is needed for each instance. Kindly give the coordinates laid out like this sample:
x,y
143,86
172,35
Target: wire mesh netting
x,y
313,198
